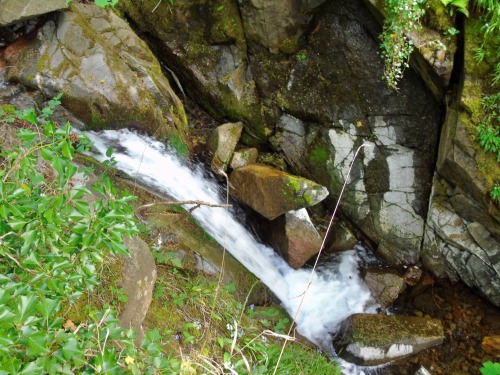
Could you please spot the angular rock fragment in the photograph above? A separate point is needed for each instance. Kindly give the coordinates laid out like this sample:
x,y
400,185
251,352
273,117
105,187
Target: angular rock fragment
x,y
272,192
221,143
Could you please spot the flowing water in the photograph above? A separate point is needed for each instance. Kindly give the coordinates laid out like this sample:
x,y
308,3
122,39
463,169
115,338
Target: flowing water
x,y
336,290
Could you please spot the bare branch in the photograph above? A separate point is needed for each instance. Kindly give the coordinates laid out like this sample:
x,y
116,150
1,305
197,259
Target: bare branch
x,y
197,203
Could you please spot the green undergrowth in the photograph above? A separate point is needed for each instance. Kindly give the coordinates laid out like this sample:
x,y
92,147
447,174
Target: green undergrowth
x,y
210,331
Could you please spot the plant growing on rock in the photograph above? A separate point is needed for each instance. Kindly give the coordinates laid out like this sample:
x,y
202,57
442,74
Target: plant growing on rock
x,y
403,17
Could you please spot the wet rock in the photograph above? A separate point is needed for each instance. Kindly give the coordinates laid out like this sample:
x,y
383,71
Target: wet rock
x,y
109,76
370,339
385,286
14,11
272,192
423,371
221,144
340,238
138,281
277,25
491,345
244,157
294,236
452,248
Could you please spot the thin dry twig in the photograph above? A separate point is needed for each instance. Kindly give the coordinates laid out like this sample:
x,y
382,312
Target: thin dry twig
x,y
172,203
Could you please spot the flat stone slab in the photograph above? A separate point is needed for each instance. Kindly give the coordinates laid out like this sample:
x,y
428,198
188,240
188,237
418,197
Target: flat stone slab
x,y
372,339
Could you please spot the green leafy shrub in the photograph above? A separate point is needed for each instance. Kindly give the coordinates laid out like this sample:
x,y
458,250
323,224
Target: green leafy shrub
x,y
53,234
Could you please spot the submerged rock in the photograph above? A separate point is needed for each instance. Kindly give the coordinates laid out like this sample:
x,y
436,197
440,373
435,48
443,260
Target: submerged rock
x,y
221,144
371,339
272,192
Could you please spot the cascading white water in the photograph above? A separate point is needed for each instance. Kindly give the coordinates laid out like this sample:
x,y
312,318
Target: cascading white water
x,y
335,292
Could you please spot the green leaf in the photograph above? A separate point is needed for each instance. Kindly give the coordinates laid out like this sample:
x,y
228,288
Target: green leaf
x,y
4,211
47,307
29,115
25,307
17,224
33,368
29,237
109,152
6,317
11,365
67,150
47,153
37,344
71,349
490,368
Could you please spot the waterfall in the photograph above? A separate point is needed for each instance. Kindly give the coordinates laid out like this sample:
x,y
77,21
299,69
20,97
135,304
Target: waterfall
x,y
336,291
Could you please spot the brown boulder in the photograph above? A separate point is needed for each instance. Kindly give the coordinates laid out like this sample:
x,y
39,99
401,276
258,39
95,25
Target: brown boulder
x,y
272,192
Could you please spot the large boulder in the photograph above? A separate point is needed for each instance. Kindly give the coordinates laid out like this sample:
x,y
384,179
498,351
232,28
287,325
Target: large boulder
x,y
371,339
108,75
334,101
272,192
14,11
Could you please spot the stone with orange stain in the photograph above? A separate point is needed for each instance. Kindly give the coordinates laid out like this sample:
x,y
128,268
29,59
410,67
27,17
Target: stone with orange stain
x,y
491,345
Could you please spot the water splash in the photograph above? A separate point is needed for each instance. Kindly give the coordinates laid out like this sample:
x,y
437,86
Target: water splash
x,y
336,290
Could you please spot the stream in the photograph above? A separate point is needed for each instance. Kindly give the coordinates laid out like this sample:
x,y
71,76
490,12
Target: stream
x,y
317,301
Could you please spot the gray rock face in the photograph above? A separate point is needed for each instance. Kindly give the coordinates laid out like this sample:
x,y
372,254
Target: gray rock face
x,y
370,339
462,236
458,248
221,144
277,25
139,278
272,192
13,11
334,101
108,75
